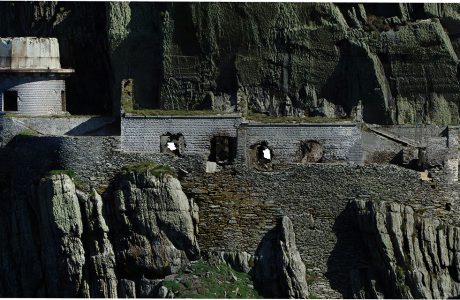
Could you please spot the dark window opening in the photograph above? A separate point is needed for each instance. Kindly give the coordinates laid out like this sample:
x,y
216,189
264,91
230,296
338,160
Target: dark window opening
x,y
10,101
448,206
172,144
223,150
63,101
312,152
261,156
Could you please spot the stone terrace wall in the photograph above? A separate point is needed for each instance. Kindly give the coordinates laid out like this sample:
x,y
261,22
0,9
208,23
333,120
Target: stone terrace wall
x,y
11,126
238,208
340,141
420,133
142,134
97,160
440,142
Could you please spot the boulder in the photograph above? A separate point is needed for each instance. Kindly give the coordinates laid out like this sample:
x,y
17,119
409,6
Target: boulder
x,y
154,225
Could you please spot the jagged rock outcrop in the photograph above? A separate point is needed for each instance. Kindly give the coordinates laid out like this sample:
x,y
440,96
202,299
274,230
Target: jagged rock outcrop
x,y
240,261
279,271
101,275
153,228
61,228
411,255
77,245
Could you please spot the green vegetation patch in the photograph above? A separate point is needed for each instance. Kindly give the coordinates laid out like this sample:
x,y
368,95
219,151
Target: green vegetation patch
x,y
311,277
212,281
174,112
69,173
263,118
27,133
153,168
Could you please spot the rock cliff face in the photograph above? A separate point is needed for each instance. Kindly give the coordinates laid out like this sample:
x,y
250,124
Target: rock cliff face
x,y
279,270
81,31
399,61
73,245
412,255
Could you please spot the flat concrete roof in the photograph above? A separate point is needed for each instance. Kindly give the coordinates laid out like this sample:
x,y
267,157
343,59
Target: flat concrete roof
x,y
35,70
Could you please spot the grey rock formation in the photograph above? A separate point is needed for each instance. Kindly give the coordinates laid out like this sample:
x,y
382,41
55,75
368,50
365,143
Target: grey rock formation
x,y
102,278
126,289
279,271
78,245
240,261
61,228
153,226
412,255
269,58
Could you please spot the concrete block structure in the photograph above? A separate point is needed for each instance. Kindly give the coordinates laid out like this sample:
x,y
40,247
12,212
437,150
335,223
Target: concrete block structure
x,y
31,77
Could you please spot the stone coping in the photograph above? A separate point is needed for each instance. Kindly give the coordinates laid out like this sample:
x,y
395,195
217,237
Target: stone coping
x,y
37,70
245,122
217,116
306,124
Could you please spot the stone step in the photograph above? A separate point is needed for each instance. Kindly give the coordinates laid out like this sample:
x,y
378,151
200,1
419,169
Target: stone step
x,y
399,139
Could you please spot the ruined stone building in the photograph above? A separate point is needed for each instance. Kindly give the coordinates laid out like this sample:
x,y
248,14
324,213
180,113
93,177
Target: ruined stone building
x,y
31,77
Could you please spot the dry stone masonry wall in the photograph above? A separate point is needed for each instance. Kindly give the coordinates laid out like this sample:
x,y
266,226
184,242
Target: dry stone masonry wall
x,y
340,141
142,134
238,206
50,126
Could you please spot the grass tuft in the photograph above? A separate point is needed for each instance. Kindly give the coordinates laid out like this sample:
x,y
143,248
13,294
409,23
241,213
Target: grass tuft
x,y
212,281
171,112
263,118
69,173
27,133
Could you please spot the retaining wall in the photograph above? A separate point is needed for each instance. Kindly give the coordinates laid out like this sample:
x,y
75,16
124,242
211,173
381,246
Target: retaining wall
x,y
11,126
339,141
237,209
239,206
142,134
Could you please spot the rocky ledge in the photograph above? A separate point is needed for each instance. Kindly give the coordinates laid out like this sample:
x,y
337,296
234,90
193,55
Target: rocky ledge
x,y
412,255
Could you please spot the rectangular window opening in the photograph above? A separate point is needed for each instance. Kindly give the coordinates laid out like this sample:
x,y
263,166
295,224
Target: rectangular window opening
x,y
223,150
10,101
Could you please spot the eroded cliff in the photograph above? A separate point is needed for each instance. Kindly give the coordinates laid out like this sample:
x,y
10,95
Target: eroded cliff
x,y
399,61
414,252
64,243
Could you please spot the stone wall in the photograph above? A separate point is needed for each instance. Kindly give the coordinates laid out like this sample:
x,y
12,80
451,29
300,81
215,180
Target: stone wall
x,y
440,144
340,141
11,126
40,97
238,206
142,134
421,132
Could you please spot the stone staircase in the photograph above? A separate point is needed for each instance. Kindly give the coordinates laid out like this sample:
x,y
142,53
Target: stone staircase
x,y
399,139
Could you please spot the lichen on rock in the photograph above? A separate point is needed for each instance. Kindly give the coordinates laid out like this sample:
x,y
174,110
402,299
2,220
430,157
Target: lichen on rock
x,y
412,256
